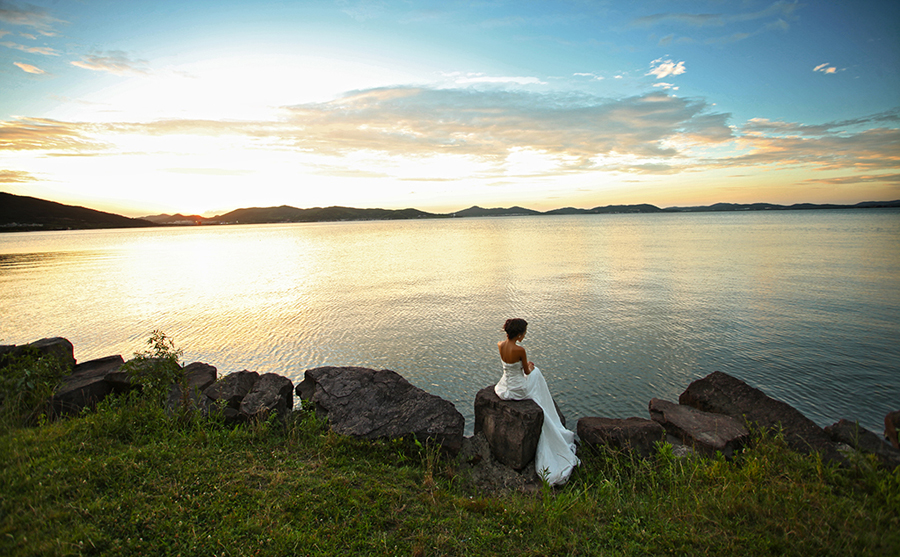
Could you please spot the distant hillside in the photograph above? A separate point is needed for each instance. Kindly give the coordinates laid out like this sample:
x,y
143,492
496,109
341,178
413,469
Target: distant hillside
x,y
285,213
774,207
177,219
477,211
20,213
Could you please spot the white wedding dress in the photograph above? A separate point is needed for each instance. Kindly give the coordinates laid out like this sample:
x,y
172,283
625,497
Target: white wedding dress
x,y
555,454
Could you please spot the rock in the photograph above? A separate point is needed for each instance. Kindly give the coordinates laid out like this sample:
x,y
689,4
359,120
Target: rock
x,y
57,346
721,393
87,386
371,404
891,424
198,377
704,431
511,427
479,469
865,441
232,388
272,393
635,434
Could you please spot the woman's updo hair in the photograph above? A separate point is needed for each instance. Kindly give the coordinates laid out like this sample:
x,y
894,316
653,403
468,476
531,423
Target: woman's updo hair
x,y
514,327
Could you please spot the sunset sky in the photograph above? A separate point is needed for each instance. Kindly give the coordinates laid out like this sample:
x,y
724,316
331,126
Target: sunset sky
x,y
142,107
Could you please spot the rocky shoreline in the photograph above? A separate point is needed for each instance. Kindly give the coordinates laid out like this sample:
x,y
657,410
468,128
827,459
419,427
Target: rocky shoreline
x,y
711,416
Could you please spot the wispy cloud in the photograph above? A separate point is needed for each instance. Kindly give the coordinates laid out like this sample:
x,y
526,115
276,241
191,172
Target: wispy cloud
x,y
45,50
41,134
29,16
778,14
825,68
663,68
28,68
471,78
115,62
15,177
778,9
590,75
651,133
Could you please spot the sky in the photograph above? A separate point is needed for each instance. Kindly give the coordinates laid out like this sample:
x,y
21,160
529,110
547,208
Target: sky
x,y
202,107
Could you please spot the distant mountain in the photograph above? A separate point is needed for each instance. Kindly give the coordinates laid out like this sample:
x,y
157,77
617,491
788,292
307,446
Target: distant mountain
x,y
177,219
285,213
476,211
775,207
21,213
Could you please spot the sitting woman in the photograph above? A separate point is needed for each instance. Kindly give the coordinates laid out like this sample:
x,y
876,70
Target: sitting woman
x,y
555,457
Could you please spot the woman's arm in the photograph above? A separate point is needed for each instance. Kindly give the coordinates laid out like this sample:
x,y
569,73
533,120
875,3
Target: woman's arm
x,y
527,366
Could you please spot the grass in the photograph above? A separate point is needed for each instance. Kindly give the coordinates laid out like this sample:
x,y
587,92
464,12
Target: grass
x,y
126,479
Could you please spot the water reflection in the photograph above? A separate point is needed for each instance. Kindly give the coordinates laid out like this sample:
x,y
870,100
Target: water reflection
x,y
622,308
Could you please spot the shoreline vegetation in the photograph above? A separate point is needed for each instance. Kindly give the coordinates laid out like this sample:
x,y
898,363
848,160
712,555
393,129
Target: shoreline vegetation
x,y
130,478
24,214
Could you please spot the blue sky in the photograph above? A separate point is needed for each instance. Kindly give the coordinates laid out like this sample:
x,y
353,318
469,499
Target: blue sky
x,y
202,107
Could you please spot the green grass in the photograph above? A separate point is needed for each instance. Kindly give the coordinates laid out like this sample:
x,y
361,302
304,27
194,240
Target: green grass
x,y
127,480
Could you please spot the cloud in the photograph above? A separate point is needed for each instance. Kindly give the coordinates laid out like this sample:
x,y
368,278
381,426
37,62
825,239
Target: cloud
x,y
666,86
29,16
662,68
778,9
590,75
28,68
375,130
469,78
47,51
115,62
825,68
28,134
15,177
862,179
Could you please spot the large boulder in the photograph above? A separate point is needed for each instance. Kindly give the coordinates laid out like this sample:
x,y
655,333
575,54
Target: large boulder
x,y
198,376
232,388
511,427
87,386
372,404
891,425
634,434
861,439
56,346
479,469
721,393
272,393
705,432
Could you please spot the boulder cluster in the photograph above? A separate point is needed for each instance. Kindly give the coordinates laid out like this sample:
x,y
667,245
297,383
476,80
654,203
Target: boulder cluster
x,y
239,396
711,416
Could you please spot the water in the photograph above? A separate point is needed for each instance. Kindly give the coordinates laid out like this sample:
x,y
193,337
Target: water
x,y
621,308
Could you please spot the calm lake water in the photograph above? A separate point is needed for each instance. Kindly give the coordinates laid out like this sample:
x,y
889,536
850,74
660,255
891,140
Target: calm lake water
x,y
804,305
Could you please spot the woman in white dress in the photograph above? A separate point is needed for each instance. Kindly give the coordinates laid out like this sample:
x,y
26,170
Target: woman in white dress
x,y
555,457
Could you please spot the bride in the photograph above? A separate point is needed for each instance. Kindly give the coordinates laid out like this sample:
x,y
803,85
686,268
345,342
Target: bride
x,y
555,457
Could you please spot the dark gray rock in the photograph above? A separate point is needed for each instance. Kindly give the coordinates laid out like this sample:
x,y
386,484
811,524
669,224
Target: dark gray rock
x,y
198,376
634,434
272,393
87,386
861,439
371,404
232,388
56,346
512,428
705,432
891,425
479,469
721,393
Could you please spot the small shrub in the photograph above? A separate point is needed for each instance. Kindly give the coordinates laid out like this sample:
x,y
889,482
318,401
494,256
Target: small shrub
x,y
157,368
26,384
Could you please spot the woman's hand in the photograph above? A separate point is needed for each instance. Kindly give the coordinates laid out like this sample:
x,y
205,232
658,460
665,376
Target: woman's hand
x,y
530,368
